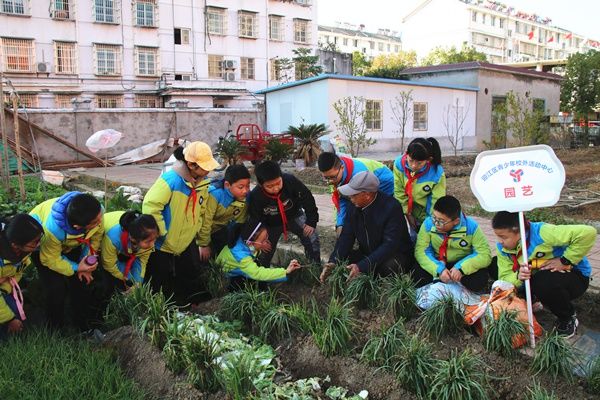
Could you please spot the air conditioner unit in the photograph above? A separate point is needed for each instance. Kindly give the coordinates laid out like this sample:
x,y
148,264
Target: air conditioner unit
x,y
229,64
43,67
229,76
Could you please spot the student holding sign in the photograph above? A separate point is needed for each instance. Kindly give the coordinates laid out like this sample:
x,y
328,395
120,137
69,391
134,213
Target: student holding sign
x,y
558,270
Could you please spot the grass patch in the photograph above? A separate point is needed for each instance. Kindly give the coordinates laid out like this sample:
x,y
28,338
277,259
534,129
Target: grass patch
x,y
278,322
248,305
554,356
415,366
36,190
442,318
461,377
337,280
364,291
332,333
216,282
399,295
382,348
593,376
537,392
499,333
42,365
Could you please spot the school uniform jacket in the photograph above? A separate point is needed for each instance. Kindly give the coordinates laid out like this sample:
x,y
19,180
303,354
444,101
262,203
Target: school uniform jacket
x,y
546,241
467,247
426,190
113,246
178,207
239,261
221,210
9,269
60,238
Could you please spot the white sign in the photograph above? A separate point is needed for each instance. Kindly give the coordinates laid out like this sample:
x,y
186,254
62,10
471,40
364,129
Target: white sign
x,y
517,179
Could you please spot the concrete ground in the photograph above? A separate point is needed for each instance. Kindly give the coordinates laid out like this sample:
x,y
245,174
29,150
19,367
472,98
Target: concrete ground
x,y
144,175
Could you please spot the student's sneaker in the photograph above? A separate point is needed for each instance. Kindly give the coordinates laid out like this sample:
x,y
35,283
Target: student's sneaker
x,y
567,328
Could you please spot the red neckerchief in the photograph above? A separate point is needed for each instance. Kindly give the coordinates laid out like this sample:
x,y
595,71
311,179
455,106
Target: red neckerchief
x,y
281,208
88,243
349,166
515,258
131,259
193,196
444,249
408,188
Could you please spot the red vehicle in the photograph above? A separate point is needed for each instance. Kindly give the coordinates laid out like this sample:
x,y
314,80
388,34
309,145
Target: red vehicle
x,y
252,138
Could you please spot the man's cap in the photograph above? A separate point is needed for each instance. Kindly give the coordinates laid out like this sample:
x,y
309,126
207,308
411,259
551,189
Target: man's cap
x,y
365,181
201,154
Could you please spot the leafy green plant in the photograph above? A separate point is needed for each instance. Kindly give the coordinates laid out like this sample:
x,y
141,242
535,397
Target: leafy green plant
x,y
277,151
337,280
306,316
249,305
364,290
333,332
36,190
237,377
308,136
381,349
199,353
175,332
414,365
593,375
537,392
215,280
229,150
307,275
461,377
119,202
399,295
277,323
554,356
499,333
442,318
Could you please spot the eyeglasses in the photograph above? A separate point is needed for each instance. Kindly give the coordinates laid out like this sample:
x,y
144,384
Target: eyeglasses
x,y
332,178
440,222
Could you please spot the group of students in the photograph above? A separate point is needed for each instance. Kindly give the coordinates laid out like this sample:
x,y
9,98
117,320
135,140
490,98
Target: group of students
x,y
401,219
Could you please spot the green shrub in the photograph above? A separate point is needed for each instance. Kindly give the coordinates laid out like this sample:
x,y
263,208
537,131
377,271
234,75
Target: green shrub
x,y
43,365
399,295
499,333
381,349
555,356
175,331
333,332
216,282
338,279
461,377
237,377
308,275
442,318
199,354
277,323
414,365
119,202
249,305
277,151
593,375
537,392
364,291
36,190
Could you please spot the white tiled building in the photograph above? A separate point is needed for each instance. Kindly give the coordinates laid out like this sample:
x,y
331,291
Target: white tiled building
x,y
146,53
349,38
504,33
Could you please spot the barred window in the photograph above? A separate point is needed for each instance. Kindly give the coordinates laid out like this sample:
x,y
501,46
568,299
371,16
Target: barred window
x,y
276,27
106,11
216,20
146,61
63,100
247,68
27,100
18,55
14,6
145,11
301,30
109,101
65,58
274,69
108,59
181,35
420,116
247,22
374,114
61,9
146,101
215,66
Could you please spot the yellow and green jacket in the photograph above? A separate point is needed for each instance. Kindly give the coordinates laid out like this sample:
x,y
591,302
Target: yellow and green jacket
x,y
10,269
178,207
59,237
221,210
427,189
467,247
112,248
239,261
546,241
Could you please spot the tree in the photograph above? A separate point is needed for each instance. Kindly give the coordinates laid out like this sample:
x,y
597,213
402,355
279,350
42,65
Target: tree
x,y
308,136
283,69
453,119
305,64
580,90
328,46
392,65
522,120
352,114
441,55
401,111
360,64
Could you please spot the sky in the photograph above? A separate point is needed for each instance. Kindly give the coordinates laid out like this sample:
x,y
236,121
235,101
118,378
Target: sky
x,y
579,16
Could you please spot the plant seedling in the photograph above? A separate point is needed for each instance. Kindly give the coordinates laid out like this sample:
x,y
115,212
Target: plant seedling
x,y
499,333
442,318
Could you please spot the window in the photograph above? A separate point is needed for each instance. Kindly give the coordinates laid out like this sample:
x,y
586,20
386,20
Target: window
x,y
355,42
18,55
372,45
304,2
539,105
60,9
63,100
183,77
247,24
380,46
106,11
373,120
146,61
14,6
146,101
217,23
276,27
181,35
65,58
501,22
498,116
247,68
301,30
493,20
215,66
145,13
474,16
420,116
107,59
326,38
109,101
483,18
274,70
345,41
26,100
396,48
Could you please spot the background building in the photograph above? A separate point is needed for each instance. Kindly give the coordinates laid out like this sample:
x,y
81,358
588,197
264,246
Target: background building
x,y
348,38
504,33
149,53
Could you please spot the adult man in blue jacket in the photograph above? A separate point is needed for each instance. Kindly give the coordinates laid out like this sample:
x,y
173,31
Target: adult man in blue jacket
x,y
376,221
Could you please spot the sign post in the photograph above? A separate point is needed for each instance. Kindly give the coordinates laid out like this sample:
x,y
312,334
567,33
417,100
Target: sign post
x,y
517,180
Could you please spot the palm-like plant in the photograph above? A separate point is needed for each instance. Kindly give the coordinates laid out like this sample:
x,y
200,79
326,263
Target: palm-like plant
x,y
308,136
277,151
228,150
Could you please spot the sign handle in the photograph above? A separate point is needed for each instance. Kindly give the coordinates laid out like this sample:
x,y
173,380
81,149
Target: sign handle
x,y
527,285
